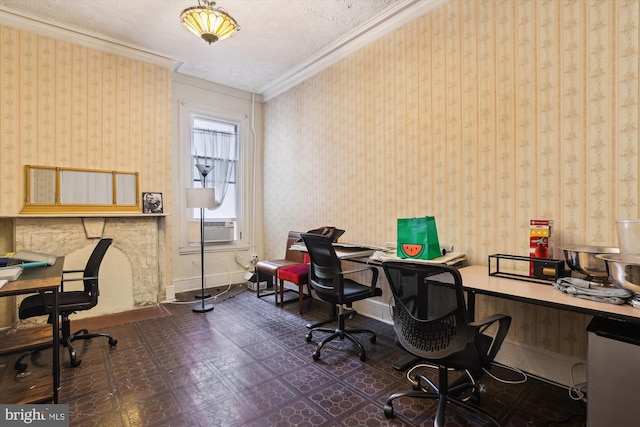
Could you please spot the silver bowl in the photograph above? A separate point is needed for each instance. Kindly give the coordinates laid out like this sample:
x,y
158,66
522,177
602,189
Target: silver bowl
x,y
584,260
622,272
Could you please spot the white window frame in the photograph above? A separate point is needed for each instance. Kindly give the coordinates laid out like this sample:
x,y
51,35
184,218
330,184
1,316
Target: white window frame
x,y
243,173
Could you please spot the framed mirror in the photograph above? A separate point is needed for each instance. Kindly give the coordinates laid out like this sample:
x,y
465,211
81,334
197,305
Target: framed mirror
x,y
55,190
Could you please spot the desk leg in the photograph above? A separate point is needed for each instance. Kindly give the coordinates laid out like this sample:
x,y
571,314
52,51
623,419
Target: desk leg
x,y
471,305
56,345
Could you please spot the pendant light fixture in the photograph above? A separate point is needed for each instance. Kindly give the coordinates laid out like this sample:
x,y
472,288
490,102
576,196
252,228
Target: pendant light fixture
x,y
209,22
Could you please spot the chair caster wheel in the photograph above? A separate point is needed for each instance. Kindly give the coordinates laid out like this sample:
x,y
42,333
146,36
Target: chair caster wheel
x,y
73,359
308,338
372,339
474,397
415,385
363,357
316,355
388,411
20,367
112,342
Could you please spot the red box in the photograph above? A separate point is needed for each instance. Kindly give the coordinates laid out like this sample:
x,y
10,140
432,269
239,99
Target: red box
x,y
540,240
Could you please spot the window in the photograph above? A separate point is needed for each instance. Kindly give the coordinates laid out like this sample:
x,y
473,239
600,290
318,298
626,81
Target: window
x,y
214,155
214,150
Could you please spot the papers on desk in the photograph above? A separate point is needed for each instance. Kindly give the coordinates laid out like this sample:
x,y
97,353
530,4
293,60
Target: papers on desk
x,y
3,282
450,258
344,250
10,273
35,257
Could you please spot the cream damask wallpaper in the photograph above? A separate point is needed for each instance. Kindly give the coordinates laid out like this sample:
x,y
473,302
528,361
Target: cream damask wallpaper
x,y
63,104
483,113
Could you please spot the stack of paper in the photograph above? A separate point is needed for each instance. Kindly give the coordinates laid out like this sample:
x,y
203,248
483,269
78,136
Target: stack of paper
x,y
451,258
10,273
3,282
30,256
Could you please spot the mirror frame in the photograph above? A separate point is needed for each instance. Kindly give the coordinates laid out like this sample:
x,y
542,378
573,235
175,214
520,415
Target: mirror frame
x,y
57,207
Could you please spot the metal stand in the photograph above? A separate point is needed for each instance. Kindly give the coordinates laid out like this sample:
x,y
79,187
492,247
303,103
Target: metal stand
x,y
202,308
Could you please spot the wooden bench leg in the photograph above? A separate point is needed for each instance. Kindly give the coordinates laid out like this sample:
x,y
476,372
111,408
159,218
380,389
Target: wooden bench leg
x,y
300,296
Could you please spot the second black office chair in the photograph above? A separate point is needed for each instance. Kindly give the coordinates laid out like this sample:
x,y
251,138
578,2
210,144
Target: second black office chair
x,y
431,322
69,303
330,284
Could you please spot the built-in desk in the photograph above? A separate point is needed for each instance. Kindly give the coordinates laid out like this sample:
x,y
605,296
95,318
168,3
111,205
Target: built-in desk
x,y
476,280
32,389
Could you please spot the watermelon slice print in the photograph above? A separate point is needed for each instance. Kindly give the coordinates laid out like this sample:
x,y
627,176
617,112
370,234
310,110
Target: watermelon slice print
x,y
412,250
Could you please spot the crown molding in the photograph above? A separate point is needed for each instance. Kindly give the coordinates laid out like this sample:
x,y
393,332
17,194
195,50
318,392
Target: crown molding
x,y
394,18
403,13
37,25
199,82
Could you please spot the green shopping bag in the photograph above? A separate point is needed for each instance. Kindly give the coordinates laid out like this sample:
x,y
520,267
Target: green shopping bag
x,y
418,238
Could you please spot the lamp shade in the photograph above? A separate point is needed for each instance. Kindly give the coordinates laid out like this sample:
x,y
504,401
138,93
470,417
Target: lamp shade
x,y
209,22
201,198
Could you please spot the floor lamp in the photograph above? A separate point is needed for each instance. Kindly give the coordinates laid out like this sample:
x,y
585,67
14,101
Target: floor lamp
x,y
201,198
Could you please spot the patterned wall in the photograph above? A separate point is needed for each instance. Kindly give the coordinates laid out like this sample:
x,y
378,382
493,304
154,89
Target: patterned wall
x,y
62,104
483,113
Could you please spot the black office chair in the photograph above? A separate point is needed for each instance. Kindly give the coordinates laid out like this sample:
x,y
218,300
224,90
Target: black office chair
x,y
330,284
69,302
431,321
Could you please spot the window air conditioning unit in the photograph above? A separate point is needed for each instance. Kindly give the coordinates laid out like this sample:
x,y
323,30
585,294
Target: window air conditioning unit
x,y
219,231
214,231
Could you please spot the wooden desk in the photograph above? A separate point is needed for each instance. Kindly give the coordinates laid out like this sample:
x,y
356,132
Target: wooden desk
x,y
476,280
31,281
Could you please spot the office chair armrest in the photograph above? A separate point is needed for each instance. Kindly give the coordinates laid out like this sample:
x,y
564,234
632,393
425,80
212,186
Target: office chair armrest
x,y
374,272
74,279
77,279
504,321
486,322
357,270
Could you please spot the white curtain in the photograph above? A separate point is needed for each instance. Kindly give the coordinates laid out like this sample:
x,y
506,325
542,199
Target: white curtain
x,y
215,155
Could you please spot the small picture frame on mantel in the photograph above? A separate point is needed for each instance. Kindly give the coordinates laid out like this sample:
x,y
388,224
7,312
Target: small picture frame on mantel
x,y
151,203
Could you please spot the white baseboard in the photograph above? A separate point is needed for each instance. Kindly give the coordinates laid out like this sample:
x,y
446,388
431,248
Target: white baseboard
x,y
544,364
374,309
532,360
211,281
170,293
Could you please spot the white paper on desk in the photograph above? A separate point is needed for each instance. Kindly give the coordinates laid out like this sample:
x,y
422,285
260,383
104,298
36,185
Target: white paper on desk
x,y
450,258
10,273
31,256
3,282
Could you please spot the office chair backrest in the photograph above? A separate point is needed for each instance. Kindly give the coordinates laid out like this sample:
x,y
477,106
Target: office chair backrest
x,y
324,268
430,314
93,267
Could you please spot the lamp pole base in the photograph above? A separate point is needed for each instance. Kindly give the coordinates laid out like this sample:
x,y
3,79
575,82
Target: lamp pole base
x,y
202,295
202,308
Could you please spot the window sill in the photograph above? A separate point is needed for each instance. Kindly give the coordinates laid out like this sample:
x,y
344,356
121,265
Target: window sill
x,y
214,247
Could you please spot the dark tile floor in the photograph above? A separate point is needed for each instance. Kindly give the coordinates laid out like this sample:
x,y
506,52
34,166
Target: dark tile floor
x,y
247,363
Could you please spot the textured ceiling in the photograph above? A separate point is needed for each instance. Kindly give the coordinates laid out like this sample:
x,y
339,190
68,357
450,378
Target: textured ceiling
x,y
276,36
